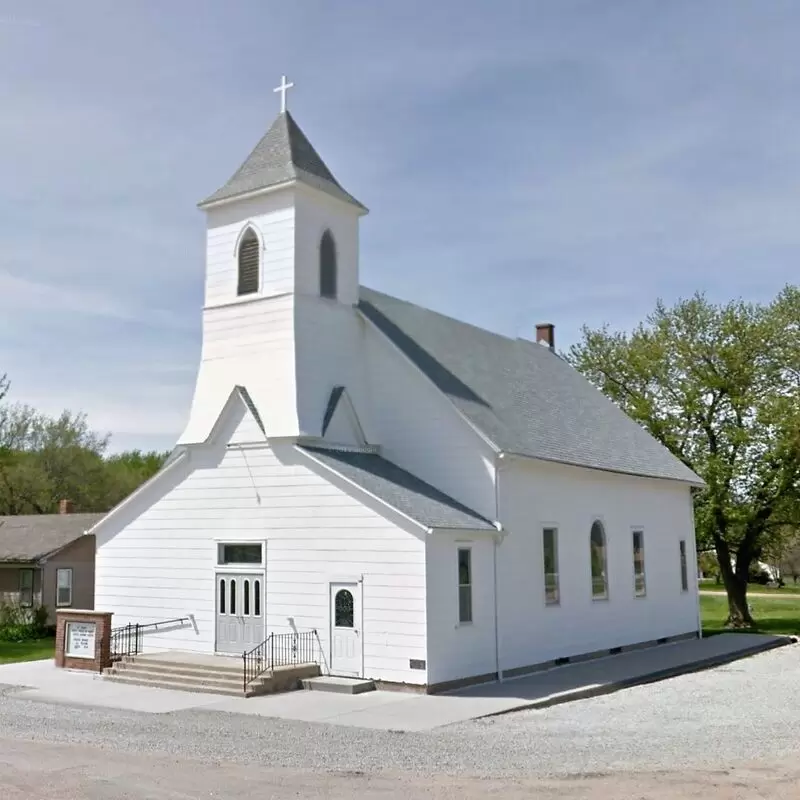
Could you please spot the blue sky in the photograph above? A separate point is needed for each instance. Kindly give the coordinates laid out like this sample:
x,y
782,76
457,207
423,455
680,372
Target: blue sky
x,y
522,161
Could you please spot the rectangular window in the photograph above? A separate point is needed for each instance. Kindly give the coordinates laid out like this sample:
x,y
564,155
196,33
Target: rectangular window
x,y
239,554
550,548
64,586
639,583
464,585
26,588
684,567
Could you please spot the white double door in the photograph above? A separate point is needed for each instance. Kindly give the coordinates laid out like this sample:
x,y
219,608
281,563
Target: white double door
x,y
240,611
347,643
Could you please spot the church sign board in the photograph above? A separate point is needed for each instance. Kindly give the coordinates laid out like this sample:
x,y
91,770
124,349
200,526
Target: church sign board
x,y
80,639
83,639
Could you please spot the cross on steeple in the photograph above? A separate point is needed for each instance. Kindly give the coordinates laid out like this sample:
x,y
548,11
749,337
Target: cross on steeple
x,y
283,88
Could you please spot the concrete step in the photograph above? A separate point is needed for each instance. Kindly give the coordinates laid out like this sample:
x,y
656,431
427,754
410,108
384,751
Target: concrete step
x,y
199,679
330,683
200,676
181,686
175,671
220,664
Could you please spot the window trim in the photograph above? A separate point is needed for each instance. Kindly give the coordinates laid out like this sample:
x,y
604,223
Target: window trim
x,y
248,228
466,547
640,530
684,564
27,571
327,235
600,598
69,571
557,602
254,566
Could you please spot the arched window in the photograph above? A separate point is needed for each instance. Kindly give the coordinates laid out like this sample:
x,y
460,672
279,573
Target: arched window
x,y
343,609
249,248
327,266
597,546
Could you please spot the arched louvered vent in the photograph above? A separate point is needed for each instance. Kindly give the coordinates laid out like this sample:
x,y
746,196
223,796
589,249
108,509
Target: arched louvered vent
x,y
327,266
249,248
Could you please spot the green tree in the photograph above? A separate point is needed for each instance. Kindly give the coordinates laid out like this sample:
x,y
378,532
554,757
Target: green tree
x,y
126,471
46,459
720,387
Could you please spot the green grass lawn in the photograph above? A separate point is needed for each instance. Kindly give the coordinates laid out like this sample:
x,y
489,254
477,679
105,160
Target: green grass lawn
x,y
27,651
713,586
778,615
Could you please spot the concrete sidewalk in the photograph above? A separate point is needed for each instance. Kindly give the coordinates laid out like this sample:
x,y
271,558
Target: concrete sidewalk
x,y
402,711
613,673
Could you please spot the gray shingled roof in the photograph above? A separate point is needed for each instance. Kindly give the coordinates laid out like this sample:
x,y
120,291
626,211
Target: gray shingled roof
x,y
284,154
30,537
401,490
520,395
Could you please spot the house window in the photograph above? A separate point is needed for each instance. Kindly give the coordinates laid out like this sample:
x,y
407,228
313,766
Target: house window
x,y
464,584
550,548
597,547
232,554
684,567
639,583
248,257
257,598
26,588
327,266
64,586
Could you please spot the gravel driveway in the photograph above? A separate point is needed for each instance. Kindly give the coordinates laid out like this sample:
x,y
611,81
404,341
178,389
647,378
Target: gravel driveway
x,y
708,722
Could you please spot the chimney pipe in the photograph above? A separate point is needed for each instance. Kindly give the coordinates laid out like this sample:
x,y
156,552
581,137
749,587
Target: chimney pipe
x,y
546,335
65,507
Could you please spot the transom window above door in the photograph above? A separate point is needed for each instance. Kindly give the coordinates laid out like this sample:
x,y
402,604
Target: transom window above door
x,y
243,553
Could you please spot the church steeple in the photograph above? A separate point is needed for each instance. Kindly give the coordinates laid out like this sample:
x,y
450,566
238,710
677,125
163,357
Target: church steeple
x,y
283,156
282,287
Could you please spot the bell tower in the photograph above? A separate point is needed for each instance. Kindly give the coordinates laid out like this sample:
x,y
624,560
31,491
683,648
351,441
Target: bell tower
x,y
281,259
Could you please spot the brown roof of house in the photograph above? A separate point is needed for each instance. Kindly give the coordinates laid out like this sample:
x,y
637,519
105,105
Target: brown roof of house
x,y
30,537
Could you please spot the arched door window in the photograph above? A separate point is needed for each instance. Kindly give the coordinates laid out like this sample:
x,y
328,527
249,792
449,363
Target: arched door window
x,y
597,547
343,609
249,250
327,266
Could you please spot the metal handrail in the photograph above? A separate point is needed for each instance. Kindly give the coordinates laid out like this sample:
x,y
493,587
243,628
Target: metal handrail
x,y
279,650
126,640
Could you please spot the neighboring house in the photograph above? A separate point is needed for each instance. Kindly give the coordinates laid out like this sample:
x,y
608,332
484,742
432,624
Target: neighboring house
x,y
45,559
440,503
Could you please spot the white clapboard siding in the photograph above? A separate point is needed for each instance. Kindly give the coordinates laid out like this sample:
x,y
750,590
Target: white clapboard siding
x,y
252,345
421,430
272,218
161,565
537,494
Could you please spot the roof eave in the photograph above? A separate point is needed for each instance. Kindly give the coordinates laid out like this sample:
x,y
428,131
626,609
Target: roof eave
x,y
699,483
211,202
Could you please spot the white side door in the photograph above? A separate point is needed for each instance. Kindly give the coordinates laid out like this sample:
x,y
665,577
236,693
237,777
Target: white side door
x,y
347,646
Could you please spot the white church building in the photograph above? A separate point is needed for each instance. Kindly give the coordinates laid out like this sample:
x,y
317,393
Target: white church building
x,y
440,503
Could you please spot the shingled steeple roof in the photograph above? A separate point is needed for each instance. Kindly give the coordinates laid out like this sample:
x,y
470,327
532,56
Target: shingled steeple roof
x,y
284,155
